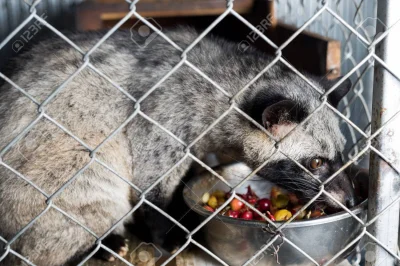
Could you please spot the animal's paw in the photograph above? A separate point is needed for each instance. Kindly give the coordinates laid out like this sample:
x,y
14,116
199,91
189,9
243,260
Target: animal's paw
x,y
116,243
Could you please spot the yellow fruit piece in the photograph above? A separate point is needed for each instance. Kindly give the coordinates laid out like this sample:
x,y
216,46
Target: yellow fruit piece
x,y
281,201
218,194
212,202
205,197
282,215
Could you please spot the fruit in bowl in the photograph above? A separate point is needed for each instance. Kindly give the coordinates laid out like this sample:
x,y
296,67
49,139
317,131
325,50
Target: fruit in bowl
x,y
281,206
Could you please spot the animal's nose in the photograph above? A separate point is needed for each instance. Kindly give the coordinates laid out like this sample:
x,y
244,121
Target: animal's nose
x,y
350,202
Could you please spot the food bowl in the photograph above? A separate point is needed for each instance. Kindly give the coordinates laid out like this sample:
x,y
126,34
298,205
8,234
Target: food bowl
x,y
237,240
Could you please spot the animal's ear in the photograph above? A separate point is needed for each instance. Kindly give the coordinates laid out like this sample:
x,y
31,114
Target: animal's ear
x,y
337,94
281,113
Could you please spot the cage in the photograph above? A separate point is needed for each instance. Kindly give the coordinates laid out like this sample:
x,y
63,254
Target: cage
x,y
332,39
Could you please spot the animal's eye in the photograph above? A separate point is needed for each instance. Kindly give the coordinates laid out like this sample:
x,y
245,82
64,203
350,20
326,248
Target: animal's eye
x,y
316,163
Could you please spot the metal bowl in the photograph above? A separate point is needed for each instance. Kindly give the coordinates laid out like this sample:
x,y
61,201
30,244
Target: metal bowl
x,y
236,240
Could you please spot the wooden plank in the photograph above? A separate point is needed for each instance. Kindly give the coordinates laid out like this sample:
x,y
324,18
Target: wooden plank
x,y
310,52
92,14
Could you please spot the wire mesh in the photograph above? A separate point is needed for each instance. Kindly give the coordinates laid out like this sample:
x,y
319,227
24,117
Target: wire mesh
x,y
366,136
355,13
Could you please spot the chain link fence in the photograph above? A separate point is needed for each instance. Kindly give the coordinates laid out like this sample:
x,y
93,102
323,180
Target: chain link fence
x,y
361,15
13,12
362,137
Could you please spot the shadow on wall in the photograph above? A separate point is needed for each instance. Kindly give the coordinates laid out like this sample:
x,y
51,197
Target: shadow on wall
x,y
12,12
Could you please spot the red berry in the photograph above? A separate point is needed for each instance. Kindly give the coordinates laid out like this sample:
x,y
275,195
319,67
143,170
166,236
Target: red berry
x,y
233,214
316,213
247,215
264,205
256,216
236,204
259,218
243,196
208,208
250,192
252,201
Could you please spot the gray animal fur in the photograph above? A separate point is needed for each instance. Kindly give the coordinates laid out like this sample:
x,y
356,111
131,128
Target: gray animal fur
x,y
91,108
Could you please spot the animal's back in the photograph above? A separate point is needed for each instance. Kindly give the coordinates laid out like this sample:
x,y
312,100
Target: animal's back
x,y
90,108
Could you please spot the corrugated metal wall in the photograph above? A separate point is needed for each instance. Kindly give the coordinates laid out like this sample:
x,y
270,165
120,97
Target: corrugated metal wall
x,y
297,12
359,14
12,12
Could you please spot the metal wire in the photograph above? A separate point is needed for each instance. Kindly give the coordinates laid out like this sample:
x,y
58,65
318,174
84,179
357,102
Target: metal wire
x,y
233,107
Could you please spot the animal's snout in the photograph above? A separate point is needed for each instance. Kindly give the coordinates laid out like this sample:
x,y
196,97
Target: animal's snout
x,y
342,189
350,201
350,197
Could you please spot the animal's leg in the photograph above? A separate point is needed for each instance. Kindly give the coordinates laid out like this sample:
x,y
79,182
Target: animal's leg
x,y
116,243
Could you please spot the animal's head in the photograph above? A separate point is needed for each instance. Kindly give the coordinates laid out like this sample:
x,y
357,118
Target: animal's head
x,y
280,106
